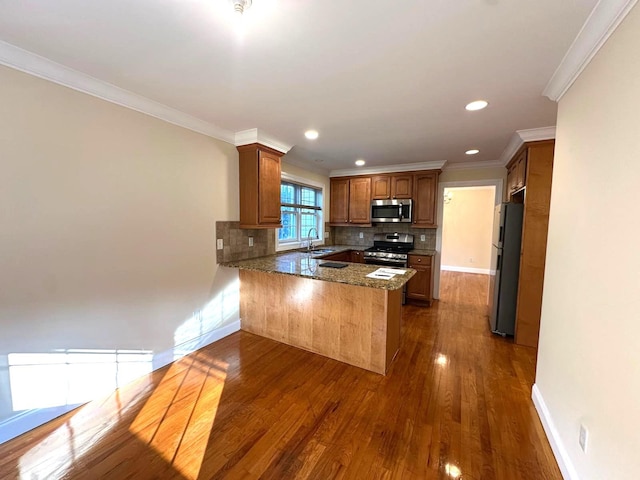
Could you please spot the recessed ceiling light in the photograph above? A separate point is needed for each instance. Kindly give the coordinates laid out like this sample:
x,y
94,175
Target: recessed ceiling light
x,y
311,134
360,163
472,151
477,105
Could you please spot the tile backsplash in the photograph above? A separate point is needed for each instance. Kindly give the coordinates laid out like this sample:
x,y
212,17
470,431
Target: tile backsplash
x,y
351,235
236,242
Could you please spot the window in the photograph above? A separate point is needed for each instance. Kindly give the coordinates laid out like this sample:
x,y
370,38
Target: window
x,y
301,211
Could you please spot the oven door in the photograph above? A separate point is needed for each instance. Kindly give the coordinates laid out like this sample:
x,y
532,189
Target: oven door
x,y
392,263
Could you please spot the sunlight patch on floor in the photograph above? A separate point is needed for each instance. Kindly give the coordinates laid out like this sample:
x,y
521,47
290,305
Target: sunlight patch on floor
x,y
177,418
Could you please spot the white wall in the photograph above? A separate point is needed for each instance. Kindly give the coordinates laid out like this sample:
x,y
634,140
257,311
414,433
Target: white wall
x,y
107,237
589,354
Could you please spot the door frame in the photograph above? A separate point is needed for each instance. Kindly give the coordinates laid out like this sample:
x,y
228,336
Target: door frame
x,y
493,182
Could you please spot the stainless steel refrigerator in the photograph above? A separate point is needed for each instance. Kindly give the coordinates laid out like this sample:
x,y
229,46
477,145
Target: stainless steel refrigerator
x,y
505,267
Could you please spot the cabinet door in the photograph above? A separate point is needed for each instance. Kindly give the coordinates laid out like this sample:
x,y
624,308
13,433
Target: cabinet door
x,y
424,209
360,200
419,287
357,256
339,257
511,181
380,187
269,188
339,202
401,186
521,171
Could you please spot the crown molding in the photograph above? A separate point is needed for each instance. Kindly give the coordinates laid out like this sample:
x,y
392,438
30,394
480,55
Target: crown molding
x,y
522,136
25,61
253,135
403,167
474,165
602,22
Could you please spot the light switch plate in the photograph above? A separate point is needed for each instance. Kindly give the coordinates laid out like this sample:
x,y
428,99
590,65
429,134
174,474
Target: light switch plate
x,y
423,238
219,244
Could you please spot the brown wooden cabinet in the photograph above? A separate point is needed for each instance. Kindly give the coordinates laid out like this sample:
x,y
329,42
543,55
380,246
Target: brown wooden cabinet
x,y
357,256
419,288
386,187
538,160
401,186
350,201
259,186
339,256
516,174
380,187
425,188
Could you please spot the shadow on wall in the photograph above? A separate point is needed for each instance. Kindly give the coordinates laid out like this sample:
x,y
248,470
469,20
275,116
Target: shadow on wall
x,y
36,387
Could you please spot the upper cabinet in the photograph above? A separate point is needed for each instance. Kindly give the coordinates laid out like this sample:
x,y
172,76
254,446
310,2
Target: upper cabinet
x,y
387,187
516,173
259,186
351,196
350,201
425,186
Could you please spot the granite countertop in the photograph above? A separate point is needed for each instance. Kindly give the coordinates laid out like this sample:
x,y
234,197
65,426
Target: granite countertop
x,y
303,264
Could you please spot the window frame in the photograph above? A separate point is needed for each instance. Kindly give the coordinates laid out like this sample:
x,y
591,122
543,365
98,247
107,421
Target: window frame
x,y
304,182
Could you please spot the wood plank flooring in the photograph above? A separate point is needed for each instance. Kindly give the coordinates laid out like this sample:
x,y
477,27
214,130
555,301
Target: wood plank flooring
x,y
454,404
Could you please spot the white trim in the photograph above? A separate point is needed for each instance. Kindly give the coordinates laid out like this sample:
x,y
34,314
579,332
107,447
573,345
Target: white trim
x,y
495,182
522,136
19,59
402,167
253,135
451,268
475,165
559,451
605,17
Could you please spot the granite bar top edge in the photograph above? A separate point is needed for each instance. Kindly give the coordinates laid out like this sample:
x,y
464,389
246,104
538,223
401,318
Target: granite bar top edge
x,y
302,264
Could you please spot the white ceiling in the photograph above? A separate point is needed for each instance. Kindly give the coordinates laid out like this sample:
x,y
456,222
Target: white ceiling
x,y
382,80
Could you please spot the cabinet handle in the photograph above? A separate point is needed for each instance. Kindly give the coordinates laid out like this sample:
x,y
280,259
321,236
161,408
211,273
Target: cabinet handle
x,y
419,260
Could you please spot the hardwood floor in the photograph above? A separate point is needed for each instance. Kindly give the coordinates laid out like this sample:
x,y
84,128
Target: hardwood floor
x,y
454,404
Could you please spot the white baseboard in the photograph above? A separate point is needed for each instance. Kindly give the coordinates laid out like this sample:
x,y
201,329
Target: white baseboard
x,y
451,268
560,452
30,419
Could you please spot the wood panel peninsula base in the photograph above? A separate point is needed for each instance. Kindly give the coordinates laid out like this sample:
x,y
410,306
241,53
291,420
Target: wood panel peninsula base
x,y
353,324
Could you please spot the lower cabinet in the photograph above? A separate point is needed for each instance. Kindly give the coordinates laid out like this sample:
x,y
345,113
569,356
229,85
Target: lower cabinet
x,y
339,257
419,288
357,256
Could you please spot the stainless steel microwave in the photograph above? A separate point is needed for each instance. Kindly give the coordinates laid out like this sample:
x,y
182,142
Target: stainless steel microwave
x,y
391,211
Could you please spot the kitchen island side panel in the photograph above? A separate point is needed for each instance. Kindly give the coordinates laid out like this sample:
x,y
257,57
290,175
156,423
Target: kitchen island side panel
x,y
353,324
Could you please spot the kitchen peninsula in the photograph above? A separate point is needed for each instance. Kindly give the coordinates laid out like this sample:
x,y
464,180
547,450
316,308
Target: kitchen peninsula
x,y
336,312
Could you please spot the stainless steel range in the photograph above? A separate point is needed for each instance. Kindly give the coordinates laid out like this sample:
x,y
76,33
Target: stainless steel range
x,y
389,249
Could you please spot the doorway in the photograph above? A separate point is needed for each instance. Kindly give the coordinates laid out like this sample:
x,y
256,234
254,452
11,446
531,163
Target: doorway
x,y
465,222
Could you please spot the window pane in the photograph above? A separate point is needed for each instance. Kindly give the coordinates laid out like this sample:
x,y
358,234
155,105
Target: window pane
x,y
287,193
308,221
289,231
307,196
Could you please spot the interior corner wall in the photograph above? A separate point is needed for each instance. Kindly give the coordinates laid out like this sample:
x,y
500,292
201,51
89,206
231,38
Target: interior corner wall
x,y
588,369
467,229
107,225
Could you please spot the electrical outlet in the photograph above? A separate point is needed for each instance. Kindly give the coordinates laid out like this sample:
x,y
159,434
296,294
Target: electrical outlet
x,y
251,241
326,234
583,439
423,238
361,235
470,259
219,244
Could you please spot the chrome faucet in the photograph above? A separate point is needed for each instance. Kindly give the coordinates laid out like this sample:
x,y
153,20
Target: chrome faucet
x,y
310,245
